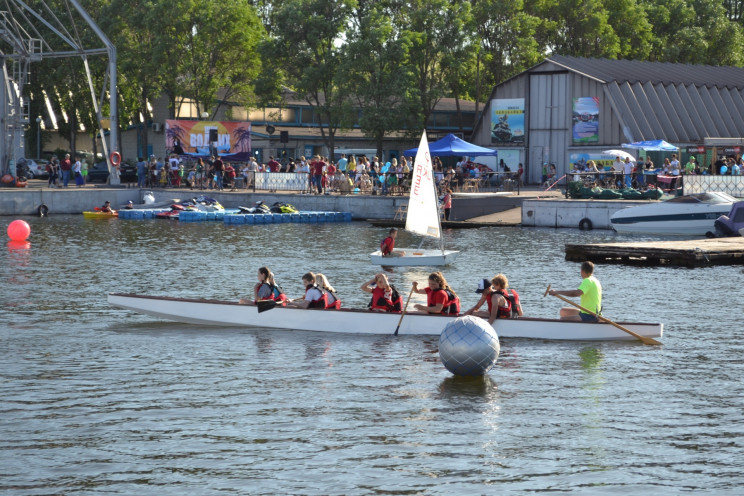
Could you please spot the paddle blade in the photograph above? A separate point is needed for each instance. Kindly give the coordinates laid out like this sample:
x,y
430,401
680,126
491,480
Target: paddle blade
x,y
265,305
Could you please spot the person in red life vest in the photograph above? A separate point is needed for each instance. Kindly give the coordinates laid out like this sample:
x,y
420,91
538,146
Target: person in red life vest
x,y
265,289
440,298
107,208
387,247
385,298
332,301
314,297
503,303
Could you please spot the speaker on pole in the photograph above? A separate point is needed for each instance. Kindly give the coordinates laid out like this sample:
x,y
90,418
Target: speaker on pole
x,y
284,136
212,135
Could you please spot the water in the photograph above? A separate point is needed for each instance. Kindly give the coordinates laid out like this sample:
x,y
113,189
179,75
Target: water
x,y
100,400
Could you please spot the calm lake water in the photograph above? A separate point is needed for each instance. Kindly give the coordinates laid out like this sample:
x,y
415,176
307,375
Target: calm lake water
x,y
98,400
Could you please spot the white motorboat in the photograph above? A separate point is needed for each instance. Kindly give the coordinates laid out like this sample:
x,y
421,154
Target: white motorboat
x,y
690,215
233,314
422,217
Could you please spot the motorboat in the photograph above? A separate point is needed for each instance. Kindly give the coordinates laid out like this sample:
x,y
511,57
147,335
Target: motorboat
x,y
687,215
354,321
729,225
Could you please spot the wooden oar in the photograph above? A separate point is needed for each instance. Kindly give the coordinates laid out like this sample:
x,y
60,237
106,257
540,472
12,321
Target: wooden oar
x,y
403,313
643,339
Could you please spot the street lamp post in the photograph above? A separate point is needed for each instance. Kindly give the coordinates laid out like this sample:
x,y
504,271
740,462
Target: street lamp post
x,y
38,138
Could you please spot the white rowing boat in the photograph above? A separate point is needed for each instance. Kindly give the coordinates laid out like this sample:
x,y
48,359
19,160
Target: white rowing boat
x,y
228,313
422,217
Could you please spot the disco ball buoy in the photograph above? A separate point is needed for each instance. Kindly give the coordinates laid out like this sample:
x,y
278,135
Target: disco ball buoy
x,y
468,346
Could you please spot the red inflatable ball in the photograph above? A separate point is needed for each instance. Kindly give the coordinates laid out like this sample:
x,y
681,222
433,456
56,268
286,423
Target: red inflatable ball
x,y
18,230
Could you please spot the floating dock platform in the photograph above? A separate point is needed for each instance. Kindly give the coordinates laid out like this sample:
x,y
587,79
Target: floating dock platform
x,y
682,253
234,216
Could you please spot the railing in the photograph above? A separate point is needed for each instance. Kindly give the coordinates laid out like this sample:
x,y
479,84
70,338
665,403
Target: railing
x,y
733,185
388,184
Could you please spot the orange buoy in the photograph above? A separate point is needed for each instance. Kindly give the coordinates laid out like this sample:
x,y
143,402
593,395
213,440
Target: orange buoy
x,y
18,230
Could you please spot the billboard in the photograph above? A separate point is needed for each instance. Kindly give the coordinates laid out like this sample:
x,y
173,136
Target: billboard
x,y
586,120
507,120
195,137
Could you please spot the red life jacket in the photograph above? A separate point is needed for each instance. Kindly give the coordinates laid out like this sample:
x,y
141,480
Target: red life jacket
x,y
277,294
379,302
336,302
321,302
452,306
385,247
430,299
512,302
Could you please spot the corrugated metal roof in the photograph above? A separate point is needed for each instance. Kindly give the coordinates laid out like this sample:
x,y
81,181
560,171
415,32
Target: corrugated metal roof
x,y
679,103
635,71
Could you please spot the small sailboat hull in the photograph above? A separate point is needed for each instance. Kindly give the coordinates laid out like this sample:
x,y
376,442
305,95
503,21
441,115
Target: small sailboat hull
x,y
415,257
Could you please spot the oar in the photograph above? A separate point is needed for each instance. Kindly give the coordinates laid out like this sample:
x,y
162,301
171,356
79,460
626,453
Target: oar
x,y
643,339
403,313
264,305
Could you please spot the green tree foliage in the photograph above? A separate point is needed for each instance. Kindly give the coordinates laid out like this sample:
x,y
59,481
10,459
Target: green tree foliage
x,y
375,74
307,45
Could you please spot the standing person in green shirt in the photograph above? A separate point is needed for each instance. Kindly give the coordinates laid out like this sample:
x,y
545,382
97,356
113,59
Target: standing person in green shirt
x,y
590,291
690,166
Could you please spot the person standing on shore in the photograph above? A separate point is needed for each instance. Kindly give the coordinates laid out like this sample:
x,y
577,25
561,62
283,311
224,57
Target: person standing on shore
x,y
65,166
447,203
77,170
590,291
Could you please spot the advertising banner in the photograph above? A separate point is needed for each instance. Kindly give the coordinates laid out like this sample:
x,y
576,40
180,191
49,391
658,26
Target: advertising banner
x,y
208,137
586,120
507,120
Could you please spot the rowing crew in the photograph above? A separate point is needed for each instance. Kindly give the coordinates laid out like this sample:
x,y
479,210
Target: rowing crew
x,y
440,297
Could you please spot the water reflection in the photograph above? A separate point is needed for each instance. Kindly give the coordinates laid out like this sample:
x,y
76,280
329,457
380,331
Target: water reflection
x,y
456,388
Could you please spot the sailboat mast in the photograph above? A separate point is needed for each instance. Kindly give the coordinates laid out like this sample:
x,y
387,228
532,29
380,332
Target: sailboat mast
x,y
439,212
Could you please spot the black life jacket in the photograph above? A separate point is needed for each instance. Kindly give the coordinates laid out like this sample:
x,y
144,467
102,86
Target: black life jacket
x,y
511,310
322,302
452,307
395,304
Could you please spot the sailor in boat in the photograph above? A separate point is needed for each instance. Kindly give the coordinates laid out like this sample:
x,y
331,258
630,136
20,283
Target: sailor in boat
x,y
387,247
107,208
590,291
503,303
315,296
440,298
385,298
266,289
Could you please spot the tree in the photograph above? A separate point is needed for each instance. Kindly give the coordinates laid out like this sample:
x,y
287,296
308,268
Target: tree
x,y
376,75
307,46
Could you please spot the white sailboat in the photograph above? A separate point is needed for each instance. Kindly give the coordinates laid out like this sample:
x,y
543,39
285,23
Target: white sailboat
x,y
422,218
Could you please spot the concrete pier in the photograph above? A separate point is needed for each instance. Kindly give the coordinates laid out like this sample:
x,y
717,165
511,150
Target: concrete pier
x,y
561,212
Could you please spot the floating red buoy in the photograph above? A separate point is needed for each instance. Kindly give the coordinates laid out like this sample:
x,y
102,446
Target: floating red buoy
x,y
18,230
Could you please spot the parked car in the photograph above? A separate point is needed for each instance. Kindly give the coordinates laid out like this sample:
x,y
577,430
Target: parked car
x,y
37,168
99,173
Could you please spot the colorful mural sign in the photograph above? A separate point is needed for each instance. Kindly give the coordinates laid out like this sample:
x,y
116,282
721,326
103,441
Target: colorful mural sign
x,y
586,120
193,137
507,120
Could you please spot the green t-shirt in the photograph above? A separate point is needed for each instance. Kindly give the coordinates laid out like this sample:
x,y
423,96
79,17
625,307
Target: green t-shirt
x,y
592,297
689,167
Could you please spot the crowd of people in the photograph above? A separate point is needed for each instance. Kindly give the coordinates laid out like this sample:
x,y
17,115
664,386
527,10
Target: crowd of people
x,y
501,301
355,173
629,173
60,172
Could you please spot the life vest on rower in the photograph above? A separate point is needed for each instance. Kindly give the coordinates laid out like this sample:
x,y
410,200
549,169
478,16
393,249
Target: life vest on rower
x,y
437,296
387,245
332,301
452,307
391,304
512,304
321,302
277,294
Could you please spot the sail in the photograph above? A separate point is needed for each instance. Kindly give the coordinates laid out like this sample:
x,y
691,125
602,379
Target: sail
x,y
423,214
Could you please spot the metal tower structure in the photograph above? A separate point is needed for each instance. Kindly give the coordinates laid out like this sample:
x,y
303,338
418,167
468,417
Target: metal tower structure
x,y
30,33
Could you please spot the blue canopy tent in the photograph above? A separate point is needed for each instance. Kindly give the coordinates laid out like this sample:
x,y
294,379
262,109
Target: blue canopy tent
x,y
452,146
651,145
